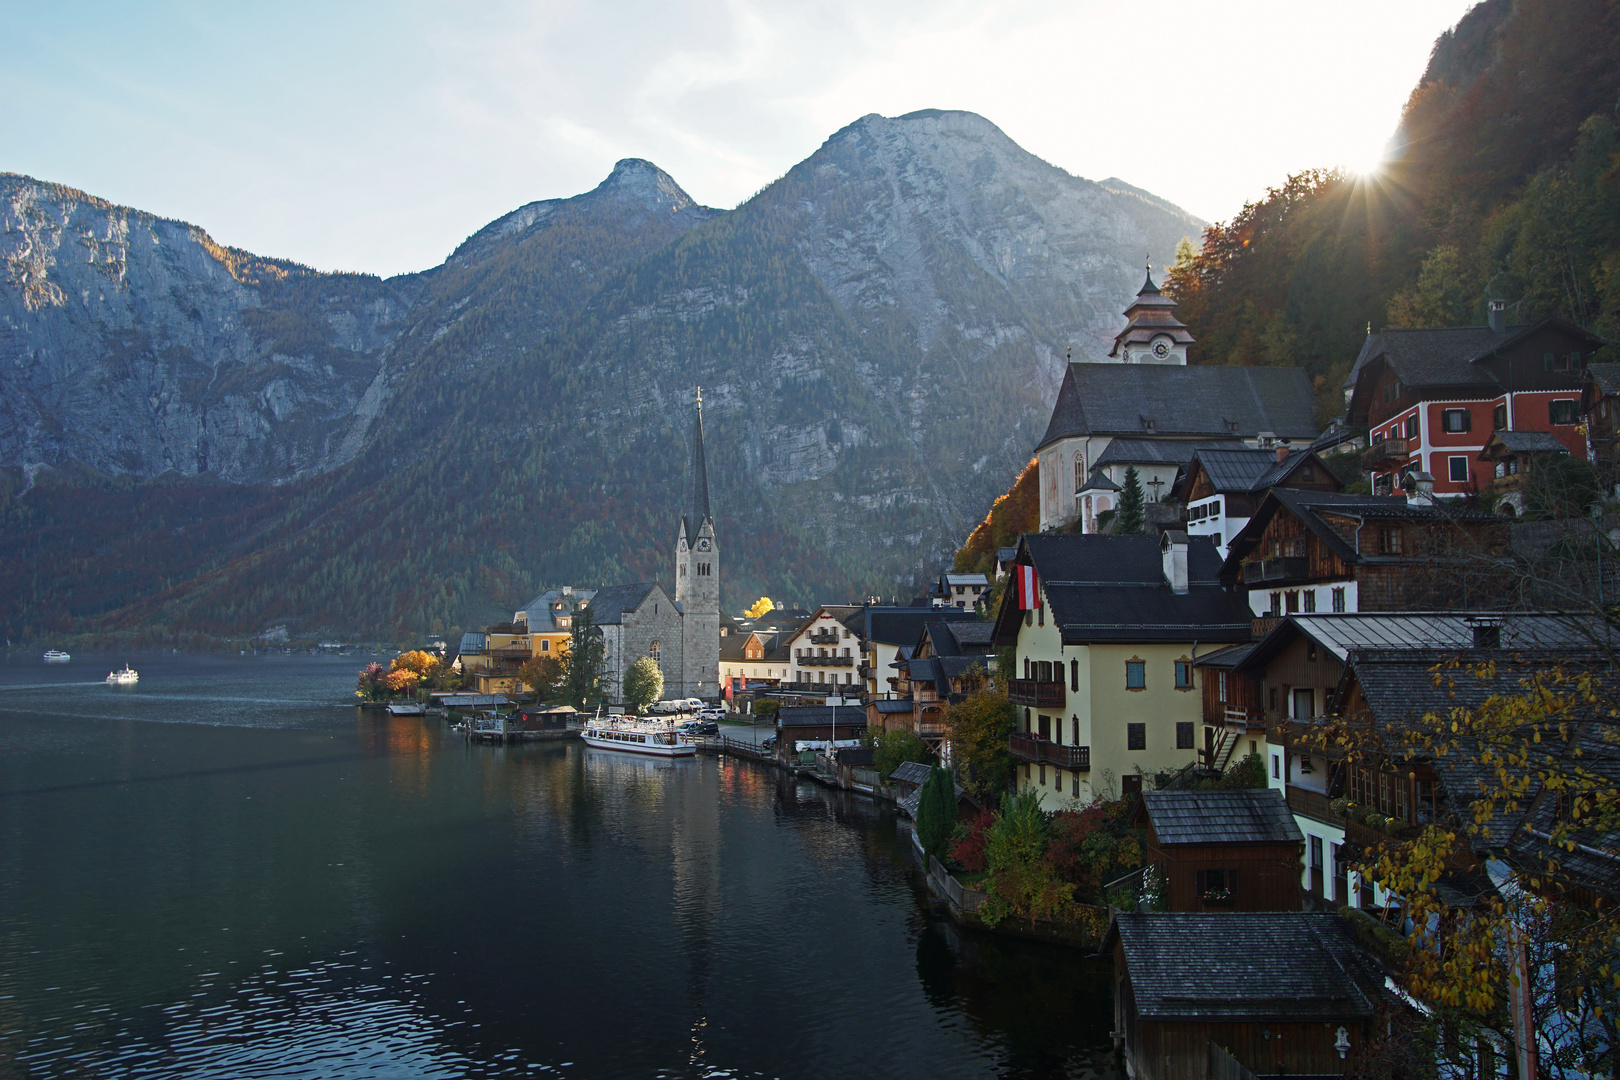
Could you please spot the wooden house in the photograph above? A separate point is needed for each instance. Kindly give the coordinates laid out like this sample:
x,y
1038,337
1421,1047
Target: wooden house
x,y
1223,485
1305,552
1278,993
1223,850
1600,406
817,724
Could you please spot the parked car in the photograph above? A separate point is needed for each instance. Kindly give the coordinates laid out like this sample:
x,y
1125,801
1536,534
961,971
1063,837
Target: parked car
x,y
712,712
707,727
693,704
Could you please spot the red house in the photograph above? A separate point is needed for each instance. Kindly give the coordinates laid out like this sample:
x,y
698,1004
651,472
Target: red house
x,y
1432,398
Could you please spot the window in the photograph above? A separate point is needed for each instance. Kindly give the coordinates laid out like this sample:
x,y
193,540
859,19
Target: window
x,y
1222,686
1276,603
1310,601
1136,736
1217,886
545,645
1043,776
1412,426
1389,539
1338,599
1316,853
1184,675
1455,421
1184,735
1304,704
1292,596
1075,789
1079,471
1135,675
1074,731
1499,418
1457,468
653,650
1074,675
1564,412
1548,361
1276,766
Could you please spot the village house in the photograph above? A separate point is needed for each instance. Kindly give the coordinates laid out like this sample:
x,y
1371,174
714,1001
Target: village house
x,y
958,590
1600,406
1306,551
825,651
549,619
1234,994
753,659
811,727
1222,486
952,659
888,633
1146,391
1222,850
1105,630
1431,398
1508,457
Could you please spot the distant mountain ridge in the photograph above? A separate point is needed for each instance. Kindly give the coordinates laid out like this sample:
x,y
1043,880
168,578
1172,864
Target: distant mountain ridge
x,y
878,335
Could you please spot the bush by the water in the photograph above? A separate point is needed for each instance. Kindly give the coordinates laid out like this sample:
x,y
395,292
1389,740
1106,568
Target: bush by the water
x,y
936,812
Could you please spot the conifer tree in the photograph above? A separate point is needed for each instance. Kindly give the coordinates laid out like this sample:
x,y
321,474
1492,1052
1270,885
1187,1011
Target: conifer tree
x,y
1131,517
936,811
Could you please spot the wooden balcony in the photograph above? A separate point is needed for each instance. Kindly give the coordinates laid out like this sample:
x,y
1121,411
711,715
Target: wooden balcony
x,y
1239,718
1313,804
826,661
1277,570
1263,625
823,637
1385,455
1036,750
1035,693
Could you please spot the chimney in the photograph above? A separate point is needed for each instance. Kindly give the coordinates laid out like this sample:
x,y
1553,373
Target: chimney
x,y
1282,453
1487,633
1173,548
1419,488
1496,314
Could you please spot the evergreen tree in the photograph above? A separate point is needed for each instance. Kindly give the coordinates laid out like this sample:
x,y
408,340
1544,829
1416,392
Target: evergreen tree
x,y
1131,517
584,660
936,812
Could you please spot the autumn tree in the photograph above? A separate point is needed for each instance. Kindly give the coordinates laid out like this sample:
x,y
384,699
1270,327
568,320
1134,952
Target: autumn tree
x,y
544,674
979,727
763,606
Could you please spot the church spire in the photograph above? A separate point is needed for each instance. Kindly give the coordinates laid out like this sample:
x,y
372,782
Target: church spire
x,y
697,504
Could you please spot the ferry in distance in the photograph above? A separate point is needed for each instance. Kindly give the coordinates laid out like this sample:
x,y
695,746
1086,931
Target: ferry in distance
x,y
127,677
56,656
636,740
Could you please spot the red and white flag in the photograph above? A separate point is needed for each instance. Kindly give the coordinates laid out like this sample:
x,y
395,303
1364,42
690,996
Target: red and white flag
x,y
1029,596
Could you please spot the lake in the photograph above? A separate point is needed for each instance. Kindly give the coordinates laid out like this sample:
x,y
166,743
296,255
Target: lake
x,y
229,871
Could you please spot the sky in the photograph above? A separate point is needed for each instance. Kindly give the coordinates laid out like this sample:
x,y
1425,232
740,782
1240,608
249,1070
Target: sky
x,y
368,136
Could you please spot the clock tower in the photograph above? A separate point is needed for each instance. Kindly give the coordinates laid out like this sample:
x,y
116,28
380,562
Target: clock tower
x,y
1152,334
697,578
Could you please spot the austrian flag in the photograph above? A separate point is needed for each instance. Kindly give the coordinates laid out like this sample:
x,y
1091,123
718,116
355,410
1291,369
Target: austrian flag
x,y
1029,595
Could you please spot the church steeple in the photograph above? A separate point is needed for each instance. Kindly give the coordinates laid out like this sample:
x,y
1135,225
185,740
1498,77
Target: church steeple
x,y
697,502
1152,334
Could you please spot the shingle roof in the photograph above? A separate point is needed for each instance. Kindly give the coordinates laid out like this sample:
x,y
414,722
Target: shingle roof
x,y
1228,657
1440,356
1237,966
977,632
1448,630
902,626
850,716
1138,451
1221,817
1606,377
609,604
1209,401
911,772
1112,588
541,618
1527,442
891,706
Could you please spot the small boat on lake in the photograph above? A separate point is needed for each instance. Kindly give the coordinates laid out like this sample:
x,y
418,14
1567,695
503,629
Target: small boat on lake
x,y
404,708
127,677
56,656
636,740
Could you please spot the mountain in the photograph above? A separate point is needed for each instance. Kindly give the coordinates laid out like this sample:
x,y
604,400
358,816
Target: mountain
x,y
878,335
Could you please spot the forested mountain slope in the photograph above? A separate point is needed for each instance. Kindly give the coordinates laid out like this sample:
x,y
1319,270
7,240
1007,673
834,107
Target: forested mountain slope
x,y
878,335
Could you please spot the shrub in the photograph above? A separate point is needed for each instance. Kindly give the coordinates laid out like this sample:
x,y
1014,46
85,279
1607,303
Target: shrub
x,y
894,748
968,847
936,812
1022,881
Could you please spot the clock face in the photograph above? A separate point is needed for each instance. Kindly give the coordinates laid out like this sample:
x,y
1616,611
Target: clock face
x,y
703,545
1161,349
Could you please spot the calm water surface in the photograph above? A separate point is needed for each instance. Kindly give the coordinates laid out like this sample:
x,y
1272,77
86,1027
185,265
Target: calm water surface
x,y
227,871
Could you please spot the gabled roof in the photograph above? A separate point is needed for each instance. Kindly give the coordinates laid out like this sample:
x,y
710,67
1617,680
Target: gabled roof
x,y
1242,469
1606,377
609,604
902,625
1246,966
542,611
970,634
472,641
1521,442
1206,401
1112,588
1255,816
911,772
1342,634
1132,450
845,615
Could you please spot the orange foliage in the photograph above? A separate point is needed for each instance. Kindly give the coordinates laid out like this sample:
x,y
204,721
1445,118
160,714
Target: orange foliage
x,y
1010,516
401,680
417,662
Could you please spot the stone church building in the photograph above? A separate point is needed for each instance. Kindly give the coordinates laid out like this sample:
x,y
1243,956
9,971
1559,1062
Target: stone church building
x,y
681,632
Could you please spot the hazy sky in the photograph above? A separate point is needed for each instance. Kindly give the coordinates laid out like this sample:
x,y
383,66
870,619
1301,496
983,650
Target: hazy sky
x,y
374,136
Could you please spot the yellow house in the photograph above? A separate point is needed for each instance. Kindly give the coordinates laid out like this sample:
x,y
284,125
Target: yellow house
x,y
1105,629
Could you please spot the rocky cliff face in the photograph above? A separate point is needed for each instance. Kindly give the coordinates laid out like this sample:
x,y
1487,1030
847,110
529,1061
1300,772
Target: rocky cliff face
x,y
878,334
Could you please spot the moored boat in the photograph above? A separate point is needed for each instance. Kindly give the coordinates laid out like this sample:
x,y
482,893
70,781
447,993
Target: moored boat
x,y
636,740
127,677
56,656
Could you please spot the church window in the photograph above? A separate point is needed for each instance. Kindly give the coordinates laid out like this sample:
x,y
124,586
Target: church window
x,y
653,649
1079,470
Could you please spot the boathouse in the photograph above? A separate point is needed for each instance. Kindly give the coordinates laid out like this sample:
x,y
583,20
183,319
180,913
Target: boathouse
x,y
1223,850
1278,993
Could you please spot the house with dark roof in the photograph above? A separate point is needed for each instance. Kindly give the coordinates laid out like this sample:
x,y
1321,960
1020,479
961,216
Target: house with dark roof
x,y
1105,630
885,630
1307,551
1149,393
958,590
1241,994
1221,486
1600,408
1223,850
824,653
1430,398
817,725
1508,458
753,659
952,659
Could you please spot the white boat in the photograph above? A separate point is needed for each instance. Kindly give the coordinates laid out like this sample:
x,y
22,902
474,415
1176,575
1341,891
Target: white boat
x,y
56,656
127,677
405,708
636,740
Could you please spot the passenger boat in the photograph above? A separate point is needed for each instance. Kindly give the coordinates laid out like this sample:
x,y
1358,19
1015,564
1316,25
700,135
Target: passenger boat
x,y
56,656
636,740
127,677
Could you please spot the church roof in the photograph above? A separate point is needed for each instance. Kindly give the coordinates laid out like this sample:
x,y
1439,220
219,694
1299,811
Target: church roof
x,y
1150,315
610,604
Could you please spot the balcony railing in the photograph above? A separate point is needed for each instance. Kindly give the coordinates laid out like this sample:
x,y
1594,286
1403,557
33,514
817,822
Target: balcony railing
x,y
827,661
1313,804
1384,454
1278,569
510,652
1035,693
1034,749
1263,625
1236,716
823,637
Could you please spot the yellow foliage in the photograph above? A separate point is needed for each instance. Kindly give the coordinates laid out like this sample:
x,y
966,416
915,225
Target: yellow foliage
x,y
761,606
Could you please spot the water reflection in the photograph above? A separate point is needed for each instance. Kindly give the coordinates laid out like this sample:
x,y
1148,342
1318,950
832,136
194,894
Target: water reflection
x,y
330,892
